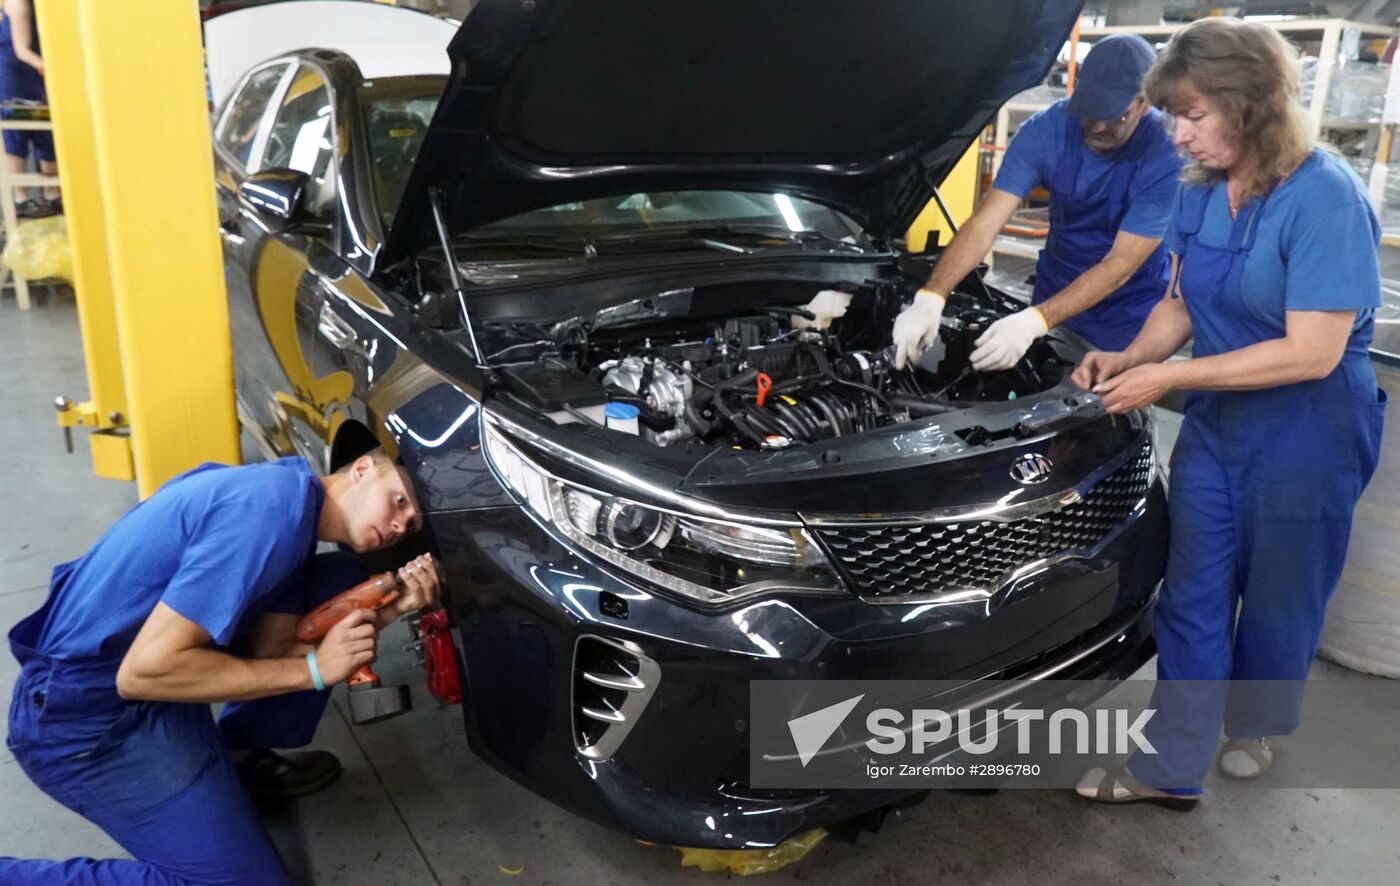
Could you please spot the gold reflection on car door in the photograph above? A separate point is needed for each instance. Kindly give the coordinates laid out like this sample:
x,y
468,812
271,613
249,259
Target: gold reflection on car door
x,y
320,403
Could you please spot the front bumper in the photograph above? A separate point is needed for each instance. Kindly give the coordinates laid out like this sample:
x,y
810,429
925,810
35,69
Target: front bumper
x,y
521,602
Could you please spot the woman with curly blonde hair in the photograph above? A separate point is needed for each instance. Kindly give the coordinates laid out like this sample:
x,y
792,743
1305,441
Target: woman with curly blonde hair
x,y
1275,281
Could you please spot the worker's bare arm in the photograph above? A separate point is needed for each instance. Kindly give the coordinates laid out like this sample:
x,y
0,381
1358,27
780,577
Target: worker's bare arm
x,y
22,26
274,635
1311,348
171,660
974,240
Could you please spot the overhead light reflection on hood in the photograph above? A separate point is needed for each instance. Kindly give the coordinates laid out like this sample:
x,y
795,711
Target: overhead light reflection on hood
x,y
574,586
397,423
741,621
569,172
954,598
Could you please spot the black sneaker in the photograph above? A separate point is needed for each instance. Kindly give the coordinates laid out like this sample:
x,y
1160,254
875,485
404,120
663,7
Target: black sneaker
x,y
271,776
30,208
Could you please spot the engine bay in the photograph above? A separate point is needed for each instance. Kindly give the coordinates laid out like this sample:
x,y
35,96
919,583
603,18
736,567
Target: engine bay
x,y
770,376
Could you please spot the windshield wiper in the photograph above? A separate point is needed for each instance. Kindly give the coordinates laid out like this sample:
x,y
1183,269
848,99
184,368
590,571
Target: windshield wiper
x,y
728,237
709,238
587,248
606,243
817,237
575,246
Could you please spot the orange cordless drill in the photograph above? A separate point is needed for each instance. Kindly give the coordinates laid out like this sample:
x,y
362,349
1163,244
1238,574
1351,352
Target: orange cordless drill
x,y
370,701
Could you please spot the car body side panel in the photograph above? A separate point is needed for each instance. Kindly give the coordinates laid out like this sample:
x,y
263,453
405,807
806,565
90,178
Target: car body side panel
x,y
312,334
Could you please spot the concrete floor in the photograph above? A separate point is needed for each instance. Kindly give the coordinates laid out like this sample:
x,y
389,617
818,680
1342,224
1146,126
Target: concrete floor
x,y
415,807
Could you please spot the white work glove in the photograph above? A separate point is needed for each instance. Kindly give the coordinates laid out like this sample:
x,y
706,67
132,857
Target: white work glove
x,y
917,326
1006,341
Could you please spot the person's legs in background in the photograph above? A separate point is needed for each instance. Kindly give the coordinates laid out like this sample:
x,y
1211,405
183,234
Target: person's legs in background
x,y
19,81
48,165
40,202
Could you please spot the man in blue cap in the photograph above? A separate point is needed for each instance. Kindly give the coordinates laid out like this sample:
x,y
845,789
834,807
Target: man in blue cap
x,y
1112,174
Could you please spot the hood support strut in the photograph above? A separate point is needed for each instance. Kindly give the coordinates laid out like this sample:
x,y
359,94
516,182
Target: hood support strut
x,y
453,275
953,226
943,207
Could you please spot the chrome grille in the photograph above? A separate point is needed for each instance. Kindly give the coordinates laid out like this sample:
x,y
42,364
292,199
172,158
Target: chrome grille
x,y
894,560
613,683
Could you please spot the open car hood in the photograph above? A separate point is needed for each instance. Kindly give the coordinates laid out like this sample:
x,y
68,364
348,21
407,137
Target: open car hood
x,y
863,106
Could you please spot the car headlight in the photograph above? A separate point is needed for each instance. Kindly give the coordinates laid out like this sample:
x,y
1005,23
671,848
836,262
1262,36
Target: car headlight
x,y
709,561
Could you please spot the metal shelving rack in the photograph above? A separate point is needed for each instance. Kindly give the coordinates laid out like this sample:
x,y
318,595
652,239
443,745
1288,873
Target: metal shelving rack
x,y
8,183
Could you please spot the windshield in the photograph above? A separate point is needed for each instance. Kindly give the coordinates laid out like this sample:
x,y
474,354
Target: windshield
x,y
397,113
678,211
398,110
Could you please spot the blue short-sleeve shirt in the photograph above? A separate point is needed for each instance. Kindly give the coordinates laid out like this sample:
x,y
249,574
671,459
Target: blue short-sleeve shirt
x,y
1313,247
213,544
1034,154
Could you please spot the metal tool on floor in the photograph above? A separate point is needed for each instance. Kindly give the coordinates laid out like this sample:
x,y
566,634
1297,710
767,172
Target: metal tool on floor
x,y
370,700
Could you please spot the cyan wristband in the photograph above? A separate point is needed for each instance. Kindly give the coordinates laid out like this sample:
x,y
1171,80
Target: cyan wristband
x,y
315,671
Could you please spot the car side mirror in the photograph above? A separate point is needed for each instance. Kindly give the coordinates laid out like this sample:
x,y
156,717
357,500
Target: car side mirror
x,y
277,193
280,195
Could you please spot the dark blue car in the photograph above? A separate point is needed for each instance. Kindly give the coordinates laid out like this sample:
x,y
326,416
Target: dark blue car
x,y
619,292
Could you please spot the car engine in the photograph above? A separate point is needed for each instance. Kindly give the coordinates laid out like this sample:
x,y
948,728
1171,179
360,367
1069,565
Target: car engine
x,y
770,378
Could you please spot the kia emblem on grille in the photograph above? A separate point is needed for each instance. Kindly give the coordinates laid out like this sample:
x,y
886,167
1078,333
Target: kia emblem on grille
x,y
1031,468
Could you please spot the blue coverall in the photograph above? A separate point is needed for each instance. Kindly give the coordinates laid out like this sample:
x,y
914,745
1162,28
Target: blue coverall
x,y
219,545
1263,483
1092,198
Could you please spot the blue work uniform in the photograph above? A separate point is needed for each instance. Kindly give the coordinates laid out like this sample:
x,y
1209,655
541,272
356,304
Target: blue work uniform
x,y
19,81
1263,483
1092,198
219,546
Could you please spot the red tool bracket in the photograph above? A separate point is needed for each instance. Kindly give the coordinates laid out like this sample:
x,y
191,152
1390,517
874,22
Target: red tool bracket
x,y
440,658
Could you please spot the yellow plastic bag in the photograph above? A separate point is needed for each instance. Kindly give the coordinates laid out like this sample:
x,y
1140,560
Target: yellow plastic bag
x,y
39,250
752,861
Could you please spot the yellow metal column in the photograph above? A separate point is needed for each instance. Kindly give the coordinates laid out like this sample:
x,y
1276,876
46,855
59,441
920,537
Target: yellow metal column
x,y
959,191
82,204
145,85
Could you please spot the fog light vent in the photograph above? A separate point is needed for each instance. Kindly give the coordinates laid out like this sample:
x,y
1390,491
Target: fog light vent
x,y
613,683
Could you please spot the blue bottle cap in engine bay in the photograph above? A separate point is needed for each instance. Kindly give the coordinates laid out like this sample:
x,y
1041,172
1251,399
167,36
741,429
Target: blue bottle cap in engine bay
x,y
621,411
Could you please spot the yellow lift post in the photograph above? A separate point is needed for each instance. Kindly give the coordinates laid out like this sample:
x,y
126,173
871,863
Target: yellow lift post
x,y
132,124
105,413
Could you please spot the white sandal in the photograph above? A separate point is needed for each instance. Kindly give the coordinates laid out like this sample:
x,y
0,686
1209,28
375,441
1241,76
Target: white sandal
x,y
1247,757
1119,786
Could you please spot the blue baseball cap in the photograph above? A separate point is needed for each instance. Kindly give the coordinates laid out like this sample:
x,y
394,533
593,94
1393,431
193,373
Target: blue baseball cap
x,y
1111,77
